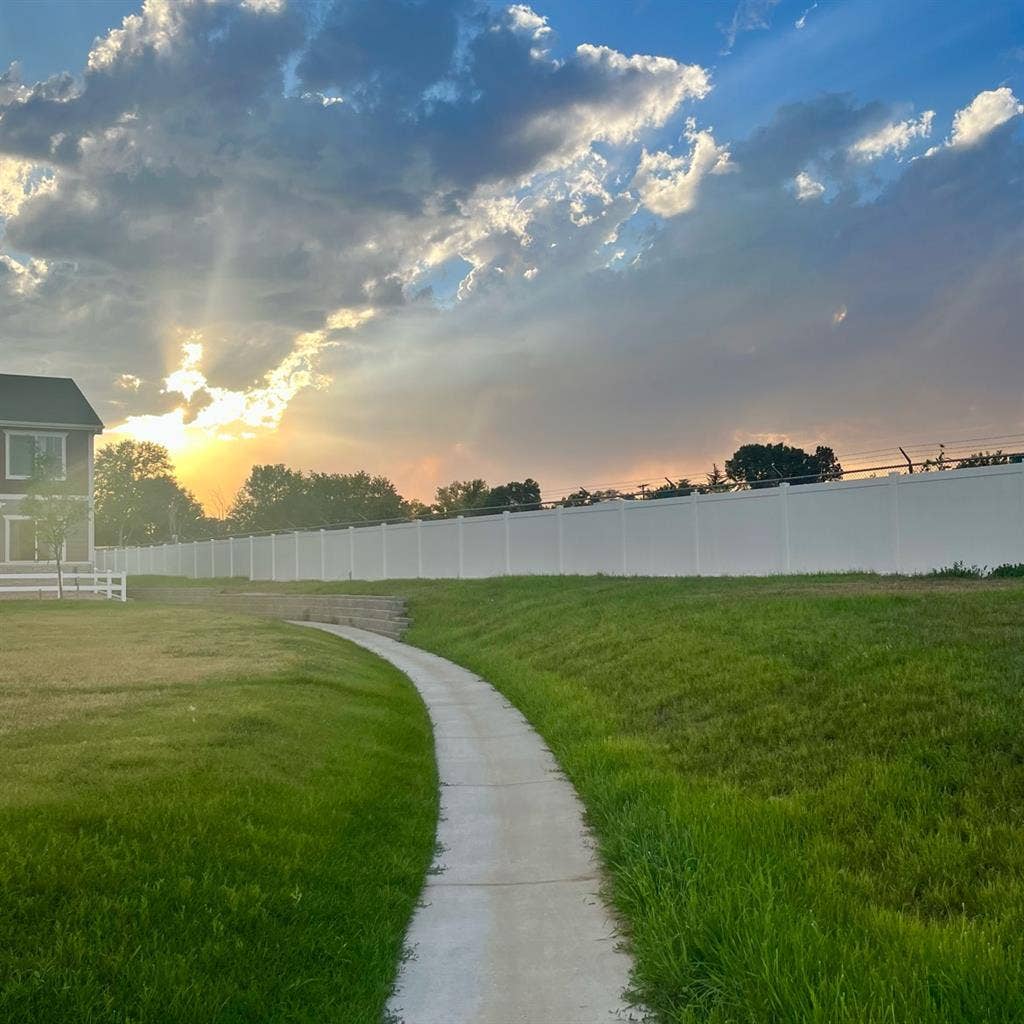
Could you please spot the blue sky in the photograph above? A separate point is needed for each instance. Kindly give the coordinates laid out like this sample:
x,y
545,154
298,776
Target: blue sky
x,y
579,241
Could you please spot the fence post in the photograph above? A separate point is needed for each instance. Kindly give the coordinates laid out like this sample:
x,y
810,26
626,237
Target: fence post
x,y
323,555
110,585
124,588
1020,466
231,557
351,552
622,536
213,558
273,557
383,551
419,549
560,530
695,506
507,521
787,558
894,521
195,559
252,558
462,559
296,554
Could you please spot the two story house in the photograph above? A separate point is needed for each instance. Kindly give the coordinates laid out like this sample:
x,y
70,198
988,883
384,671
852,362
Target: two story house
x,y
49,416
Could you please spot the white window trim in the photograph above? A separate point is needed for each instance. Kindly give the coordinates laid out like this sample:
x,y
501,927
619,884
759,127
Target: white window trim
x,y
8,434
35,561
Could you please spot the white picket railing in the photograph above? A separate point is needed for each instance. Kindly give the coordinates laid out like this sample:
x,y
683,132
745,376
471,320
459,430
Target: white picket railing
x,y
111,585
894,524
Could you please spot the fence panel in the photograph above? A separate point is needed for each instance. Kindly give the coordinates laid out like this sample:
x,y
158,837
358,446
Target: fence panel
x,y
895,523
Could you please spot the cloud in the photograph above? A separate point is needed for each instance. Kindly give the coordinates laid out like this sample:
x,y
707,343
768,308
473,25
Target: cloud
x,y
807,188
748,16
893,137
668,184
210,412
801,22
986,112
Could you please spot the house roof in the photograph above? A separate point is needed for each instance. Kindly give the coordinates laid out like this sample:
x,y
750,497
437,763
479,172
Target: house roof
x,y
45,401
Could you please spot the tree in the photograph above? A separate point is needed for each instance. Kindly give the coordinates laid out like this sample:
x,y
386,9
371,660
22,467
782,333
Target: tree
x,y
272,498
137,498
53,510
716,479
997,458
763,465
583,497
461,496
278,498
516,496
674,489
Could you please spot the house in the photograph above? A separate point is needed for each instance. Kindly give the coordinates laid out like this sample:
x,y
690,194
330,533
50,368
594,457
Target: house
x,y
50,416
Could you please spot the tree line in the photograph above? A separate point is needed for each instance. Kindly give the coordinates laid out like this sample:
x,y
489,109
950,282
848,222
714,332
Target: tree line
x,y
139,500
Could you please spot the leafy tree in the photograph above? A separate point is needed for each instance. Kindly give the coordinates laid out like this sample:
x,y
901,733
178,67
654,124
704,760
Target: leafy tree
x,y
273,497
516,496
461,496
278,498
997,458
674,489
584,497
763,465
939,464
53,510
137,498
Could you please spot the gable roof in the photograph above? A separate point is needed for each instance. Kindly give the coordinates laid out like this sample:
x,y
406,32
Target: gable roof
x,y
45,401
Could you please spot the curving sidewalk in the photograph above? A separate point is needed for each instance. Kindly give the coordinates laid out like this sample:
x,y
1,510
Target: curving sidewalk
x,y
510,929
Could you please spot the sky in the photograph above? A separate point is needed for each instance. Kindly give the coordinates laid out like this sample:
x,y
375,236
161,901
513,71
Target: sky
x,y
591,243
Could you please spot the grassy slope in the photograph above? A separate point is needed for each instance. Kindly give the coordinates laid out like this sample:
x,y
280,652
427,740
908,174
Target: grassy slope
x,y
203,818
810,792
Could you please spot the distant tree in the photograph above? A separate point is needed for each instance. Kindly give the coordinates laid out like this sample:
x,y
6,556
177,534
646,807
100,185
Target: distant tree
x,y
350,498
461,496
584,497
137,498
997,458
716,479
762,465
516,496
273,497
674,489
53,510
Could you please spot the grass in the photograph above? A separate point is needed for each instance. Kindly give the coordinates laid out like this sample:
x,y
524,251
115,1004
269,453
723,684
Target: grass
x,y
203,818
809,793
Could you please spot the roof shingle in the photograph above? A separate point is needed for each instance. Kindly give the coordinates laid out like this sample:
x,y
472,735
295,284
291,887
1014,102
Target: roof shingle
x,y
45,401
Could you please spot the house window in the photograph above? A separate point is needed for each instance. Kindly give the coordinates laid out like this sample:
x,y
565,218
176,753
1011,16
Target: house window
x,y
24,448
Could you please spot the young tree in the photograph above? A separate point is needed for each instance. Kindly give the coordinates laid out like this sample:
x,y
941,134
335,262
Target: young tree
x,y
53,510
717,480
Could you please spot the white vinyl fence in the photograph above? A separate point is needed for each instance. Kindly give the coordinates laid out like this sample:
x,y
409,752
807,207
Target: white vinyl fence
x,y
900,523
106,583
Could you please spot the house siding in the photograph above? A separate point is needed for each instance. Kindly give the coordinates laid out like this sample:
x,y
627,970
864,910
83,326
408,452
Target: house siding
x,y
79,450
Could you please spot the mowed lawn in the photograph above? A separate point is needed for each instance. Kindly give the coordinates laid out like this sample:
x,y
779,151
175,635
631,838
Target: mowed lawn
x,y
809,792
203,818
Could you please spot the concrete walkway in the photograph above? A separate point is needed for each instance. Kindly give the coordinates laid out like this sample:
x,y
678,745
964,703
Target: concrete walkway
x,y
510,930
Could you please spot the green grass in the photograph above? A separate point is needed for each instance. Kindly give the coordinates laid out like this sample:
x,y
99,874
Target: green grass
x,y
809,793
203,818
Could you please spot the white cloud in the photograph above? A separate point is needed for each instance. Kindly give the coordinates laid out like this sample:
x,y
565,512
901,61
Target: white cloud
x,y
801,22
986,112
667,184
807,188
894,137
19,181
128,382
23,278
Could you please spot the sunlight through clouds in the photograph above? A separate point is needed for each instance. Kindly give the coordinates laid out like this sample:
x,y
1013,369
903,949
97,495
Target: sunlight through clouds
x,y
210,414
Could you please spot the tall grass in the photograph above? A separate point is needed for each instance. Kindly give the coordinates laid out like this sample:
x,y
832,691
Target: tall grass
x,y
809,793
